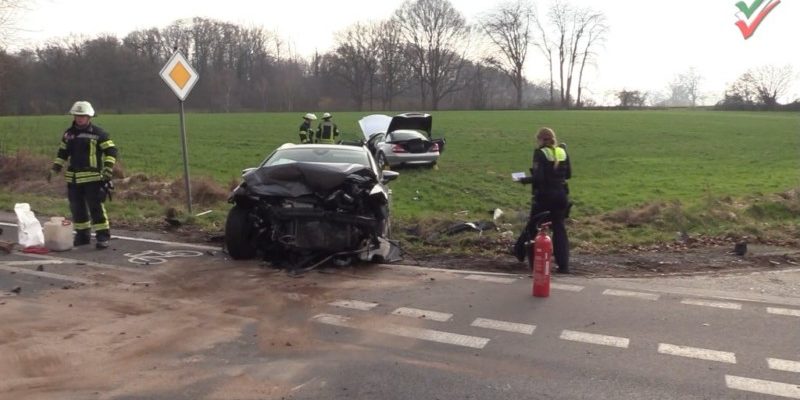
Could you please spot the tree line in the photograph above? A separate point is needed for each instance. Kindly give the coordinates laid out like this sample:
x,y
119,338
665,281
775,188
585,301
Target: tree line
x,y
425,56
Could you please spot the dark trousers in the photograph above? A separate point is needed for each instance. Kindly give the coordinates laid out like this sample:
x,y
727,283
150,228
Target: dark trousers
x,y
85,200
556,203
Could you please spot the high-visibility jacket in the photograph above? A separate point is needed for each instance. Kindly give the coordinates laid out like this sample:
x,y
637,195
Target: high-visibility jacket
x,y
546,176
87,151
327,132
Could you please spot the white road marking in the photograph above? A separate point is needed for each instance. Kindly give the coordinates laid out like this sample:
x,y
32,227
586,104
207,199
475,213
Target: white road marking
x,y
296,296
354,304
593,338
31,262
783,365
698,353
783,311
493,279
46,275
83,262
625,293
407,332
716,304
166,242
422,314
504,326
763,387
568,288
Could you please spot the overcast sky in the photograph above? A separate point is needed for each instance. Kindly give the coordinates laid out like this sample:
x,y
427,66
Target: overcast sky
x,y
649,42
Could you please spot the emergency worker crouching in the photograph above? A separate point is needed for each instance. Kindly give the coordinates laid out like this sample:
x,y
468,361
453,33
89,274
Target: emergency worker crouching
x,y
549,174
306,132
327,131
90,155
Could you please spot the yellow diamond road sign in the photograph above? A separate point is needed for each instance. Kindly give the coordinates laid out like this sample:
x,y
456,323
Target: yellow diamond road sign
x,y
179,75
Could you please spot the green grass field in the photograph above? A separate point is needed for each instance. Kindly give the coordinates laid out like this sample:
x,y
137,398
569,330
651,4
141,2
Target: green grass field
x,y
621,159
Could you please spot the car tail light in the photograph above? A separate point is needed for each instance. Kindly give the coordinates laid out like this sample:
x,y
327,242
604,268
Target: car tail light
x,y
434,148
398,149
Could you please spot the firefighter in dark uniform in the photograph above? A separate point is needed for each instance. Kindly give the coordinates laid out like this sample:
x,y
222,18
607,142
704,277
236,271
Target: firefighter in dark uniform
x,y
90,156
327,131
549,174
306,132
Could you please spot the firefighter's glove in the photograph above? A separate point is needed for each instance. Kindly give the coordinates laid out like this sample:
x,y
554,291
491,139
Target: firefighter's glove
x,y
106,191
107,174
54,170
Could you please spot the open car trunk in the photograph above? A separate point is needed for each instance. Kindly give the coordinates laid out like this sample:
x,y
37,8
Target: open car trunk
x,y
379,123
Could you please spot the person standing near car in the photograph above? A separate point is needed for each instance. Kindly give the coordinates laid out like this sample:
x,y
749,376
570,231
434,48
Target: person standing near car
x,y
549,174
306,132
90,155
327,131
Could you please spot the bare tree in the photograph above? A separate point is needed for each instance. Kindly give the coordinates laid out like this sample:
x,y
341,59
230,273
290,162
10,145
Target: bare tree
x,y
771,82
436,34
758,88
577,31
9,11
595,34
354,61
631,98
546,46
394,71
683,90
509,29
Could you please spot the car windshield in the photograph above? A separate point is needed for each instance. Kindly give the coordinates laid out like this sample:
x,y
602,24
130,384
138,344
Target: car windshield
x,y
407,135
322,155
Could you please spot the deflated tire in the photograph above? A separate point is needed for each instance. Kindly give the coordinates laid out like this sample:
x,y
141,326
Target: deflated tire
x,y
238,234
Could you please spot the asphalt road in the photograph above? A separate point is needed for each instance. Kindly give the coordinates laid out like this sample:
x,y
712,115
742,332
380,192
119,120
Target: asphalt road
x,y
158,320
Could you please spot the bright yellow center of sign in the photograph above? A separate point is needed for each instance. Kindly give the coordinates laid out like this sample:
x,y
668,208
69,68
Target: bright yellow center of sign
x,y
180,75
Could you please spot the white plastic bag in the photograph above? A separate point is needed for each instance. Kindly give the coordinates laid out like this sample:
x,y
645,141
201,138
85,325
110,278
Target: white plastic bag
x,y
29,229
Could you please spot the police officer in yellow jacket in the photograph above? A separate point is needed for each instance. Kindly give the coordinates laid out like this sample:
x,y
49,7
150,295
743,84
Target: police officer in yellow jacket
x,y
90,155
549,174
306,132
327,131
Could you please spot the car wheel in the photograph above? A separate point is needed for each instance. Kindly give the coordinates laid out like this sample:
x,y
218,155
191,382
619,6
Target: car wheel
x,y
238,234
382,161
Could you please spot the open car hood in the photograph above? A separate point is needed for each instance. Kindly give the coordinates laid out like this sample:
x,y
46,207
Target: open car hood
x,y
302,178
375,123
415,121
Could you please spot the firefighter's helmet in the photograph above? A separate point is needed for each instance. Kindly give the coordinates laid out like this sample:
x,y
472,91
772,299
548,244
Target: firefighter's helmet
x,y
310,116
82,108
326,115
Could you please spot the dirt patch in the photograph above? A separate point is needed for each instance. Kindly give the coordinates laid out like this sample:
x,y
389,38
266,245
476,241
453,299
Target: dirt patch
x,y
26,173
644,263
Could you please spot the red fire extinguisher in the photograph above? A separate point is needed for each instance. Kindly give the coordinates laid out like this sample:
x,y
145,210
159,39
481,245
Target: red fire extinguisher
x,y
542,256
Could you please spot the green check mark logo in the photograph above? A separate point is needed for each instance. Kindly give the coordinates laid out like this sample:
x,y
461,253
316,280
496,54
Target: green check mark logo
x,y
748,29
748,11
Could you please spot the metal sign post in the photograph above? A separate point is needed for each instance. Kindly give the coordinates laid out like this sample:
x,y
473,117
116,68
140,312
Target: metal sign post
x,y
181,77
185,161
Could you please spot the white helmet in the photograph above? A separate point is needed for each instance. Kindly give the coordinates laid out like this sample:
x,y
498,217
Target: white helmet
x,y
326,115
310,116
82,108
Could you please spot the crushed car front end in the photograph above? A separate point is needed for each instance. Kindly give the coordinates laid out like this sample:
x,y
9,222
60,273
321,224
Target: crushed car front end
x,y
300,214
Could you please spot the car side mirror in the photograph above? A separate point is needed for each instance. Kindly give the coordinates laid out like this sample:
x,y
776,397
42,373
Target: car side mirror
x,y
246,170
389,176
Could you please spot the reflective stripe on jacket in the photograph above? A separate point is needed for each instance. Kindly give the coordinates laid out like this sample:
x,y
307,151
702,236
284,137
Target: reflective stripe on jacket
x,y
86,151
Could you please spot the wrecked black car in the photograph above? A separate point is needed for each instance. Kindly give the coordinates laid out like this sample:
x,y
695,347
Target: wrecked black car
x,y
311,203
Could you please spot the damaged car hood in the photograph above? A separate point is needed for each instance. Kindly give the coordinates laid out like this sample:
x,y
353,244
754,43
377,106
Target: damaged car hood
x,y
301,178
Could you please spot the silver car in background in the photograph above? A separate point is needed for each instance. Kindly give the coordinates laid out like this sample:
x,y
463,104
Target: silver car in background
x,y
401,140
